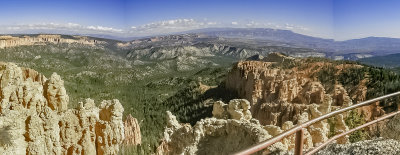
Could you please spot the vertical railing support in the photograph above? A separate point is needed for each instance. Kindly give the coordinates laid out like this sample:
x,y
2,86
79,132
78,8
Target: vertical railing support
x,y
299,141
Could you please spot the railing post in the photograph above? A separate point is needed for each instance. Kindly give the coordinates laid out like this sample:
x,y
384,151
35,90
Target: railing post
x,y
299,141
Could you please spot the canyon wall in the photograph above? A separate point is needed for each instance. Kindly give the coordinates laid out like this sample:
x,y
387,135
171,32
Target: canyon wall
x,y
10,41
280,94
35,119
277,94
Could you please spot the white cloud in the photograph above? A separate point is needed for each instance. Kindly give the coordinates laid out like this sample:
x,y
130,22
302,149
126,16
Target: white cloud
x,y
73,25
253,24
235,23
295,28
102,28
289,26
169,26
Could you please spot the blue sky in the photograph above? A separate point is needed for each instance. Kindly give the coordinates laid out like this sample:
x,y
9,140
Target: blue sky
x,y
338,19
311,14
364,18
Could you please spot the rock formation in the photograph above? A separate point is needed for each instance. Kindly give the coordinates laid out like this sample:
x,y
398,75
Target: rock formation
x,y
132,131
279,94
264,82
372,112
231,129
10,41
34,118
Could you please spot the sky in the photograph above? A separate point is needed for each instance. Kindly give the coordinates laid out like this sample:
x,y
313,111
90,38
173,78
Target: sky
x,y
304,16
365,18
334,19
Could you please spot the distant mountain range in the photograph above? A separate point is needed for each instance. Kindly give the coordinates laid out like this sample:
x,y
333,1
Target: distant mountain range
x,y
259,38
389,61
349,49
286,36
371,45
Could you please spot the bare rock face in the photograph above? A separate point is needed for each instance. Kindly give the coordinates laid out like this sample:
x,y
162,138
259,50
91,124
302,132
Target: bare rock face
x,y
340,96
34,118
260,82
279,96
341,128
132,131
56,93
372,112
230,130
10,41
238,109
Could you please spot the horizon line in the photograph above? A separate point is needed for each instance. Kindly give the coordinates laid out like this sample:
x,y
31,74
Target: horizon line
x,y
125,38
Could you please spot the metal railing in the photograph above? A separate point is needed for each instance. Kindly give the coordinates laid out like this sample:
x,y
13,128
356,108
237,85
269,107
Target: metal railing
x,y
299,129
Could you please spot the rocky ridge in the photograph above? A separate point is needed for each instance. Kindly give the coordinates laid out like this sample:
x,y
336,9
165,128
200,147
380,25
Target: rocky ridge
x,y
198,45
10,41
278,95
34,118
231,129
264,81
198,50
282,89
